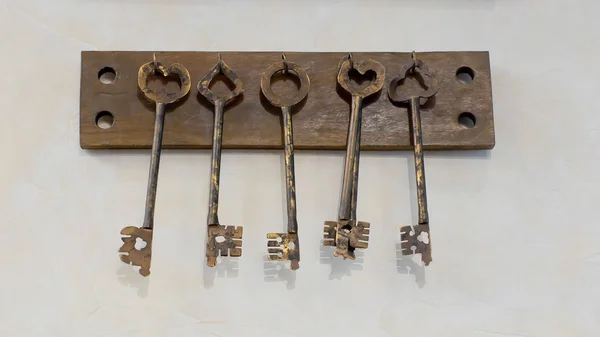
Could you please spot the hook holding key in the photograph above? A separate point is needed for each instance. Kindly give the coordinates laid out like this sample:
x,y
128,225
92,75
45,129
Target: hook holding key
x,y
348,233
286,246
128,252
220,240
416,237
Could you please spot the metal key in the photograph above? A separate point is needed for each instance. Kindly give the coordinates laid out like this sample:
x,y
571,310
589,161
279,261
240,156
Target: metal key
x,y
285,246
128,252
348,233
416,239
220,240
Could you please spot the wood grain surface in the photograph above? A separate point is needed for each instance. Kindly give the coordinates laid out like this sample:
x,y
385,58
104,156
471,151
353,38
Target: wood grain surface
x,y
320,121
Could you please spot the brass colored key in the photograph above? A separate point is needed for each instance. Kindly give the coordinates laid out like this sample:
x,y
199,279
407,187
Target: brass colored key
x,y
416,239
348,233
128,252
220,240
285,246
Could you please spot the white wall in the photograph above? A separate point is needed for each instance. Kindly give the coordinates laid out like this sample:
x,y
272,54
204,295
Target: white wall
x,y
516,242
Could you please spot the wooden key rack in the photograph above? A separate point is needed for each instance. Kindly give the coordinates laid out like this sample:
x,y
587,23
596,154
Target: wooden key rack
x,y
460,117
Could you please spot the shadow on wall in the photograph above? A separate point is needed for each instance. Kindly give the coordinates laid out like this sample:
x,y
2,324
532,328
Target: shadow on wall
x,y
279,271
406,265
339,266
129,276
226,267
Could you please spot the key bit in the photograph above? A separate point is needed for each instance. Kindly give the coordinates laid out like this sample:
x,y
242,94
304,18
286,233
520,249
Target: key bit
x,y
128,252
285,246
223,241
220,240
416,239
348,234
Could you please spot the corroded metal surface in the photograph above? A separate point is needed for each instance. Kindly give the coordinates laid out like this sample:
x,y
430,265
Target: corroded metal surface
x,y
416,240
220,240
416,237
286,246
161,98
131,255
349,233
223,241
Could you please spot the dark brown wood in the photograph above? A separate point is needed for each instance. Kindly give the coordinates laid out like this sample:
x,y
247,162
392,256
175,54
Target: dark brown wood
x,y
320,121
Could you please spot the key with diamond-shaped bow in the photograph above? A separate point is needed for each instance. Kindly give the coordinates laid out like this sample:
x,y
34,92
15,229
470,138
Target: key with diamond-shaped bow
x,y
416,239
348,233
220,240
128,252
286,246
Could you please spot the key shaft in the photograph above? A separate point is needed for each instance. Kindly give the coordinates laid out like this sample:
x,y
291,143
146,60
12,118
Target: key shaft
x,y
215,166
290,179
417,135
159,124
349,196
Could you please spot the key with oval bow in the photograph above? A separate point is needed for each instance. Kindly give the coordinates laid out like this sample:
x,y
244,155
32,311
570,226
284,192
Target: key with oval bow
x,y
286,246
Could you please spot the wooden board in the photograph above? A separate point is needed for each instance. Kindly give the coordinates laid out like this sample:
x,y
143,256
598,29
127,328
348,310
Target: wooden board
x,y
320,122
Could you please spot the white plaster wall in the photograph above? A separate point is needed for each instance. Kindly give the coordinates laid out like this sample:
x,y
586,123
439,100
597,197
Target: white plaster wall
x,y
516,240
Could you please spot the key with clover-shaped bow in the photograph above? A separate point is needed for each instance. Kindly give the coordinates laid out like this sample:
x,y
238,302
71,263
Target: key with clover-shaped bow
x,y
220,240
128,252
286,246
348,233
416,239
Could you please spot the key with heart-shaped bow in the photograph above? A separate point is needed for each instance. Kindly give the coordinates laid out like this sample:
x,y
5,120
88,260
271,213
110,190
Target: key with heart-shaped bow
x,y
220,240
416,239
128,252
348,234
286,246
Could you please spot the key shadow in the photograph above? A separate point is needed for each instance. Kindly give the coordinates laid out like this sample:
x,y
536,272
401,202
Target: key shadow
x,y
129,276
279,271
339,266
406,265
227,267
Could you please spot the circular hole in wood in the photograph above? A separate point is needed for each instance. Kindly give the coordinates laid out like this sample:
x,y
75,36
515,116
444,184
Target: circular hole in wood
x,y
105,120
467,120
465,74
107,75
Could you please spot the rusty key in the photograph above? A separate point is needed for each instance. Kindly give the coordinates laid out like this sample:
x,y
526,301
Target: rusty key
x,y
348,233
128,252
220,240
416,239
285,246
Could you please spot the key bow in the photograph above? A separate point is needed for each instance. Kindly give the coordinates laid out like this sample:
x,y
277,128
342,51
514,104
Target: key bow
x,y
289,67
220,68
363,67
431,83
163,96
